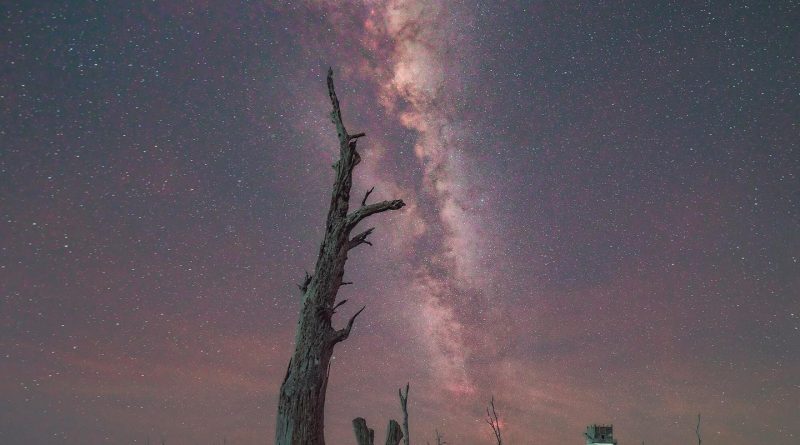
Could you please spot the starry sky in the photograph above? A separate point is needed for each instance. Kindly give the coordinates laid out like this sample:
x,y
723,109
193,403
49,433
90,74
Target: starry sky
x,y
602,220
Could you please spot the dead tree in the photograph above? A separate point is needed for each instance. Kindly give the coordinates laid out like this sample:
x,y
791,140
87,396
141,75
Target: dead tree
x,y
697,431
494,422
301,404
366,436
440,438
404,407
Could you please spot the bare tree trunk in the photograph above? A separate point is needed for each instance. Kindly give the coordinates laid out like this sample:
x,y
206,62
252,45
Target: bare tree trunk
x,y
494,422
301,404
404,406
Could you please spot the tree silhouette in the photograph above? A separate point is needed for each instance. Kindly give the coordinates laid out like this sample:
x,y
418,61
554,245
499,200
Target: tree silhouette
x,y
494,422
301,404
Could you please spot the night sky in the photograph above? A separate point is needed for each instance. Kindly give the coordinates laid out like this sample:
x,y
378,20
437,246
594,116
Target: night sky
x,y
603,219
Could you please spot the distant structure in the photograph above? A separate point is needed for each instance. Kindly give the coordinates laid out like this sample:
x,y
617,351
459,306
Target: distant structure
x,y
600,435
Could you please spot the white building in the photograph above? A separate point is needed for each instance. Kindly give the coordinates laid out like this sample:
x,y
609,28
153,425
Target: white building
x,y
600,435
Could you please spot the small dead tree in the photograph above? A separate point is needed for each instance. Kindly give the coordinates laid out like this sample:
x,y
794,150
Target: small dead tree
x,y
697,430
404,407
494,422
440,438
366,436
301,403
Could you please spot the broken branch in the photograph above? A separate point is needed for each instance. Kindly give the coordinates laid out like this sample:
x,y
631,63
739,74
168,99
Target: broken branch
x,y
359,239
366,210
336,113
306,281
333,309
342,334
366,195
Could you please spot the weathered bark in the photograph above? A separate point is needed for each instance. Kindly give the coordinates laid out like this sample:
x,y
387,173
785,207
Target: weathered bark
x,y
301,404
404,407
